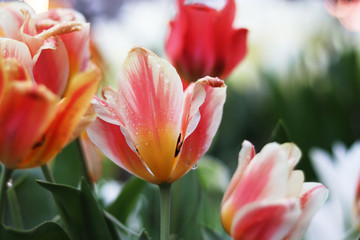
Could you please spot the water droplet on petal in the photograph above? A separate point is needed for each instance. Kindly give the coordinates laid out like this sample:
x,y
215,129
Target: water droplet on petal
x,y
195,166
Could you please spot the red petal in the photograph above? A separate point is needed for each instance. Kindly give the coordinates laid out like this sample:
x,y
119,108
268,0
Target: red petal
x,y
25,114
51,66
198,142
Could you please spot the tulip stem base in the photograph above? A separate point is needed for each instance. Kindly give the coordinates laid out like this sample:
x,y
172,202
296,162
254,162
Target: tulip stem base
x,y
47,173
5,176
15,208
165,197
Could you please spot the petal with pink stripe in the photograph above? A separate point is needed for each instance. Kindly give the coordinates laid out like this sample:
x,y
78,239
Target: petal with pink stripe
x,y
151,99
265,221
312,197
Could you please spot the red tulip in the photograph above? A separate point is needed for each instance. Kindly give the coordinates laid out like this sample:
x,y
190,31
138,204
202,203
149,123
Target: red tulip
x,y
202,41
150,126
41,103
266,198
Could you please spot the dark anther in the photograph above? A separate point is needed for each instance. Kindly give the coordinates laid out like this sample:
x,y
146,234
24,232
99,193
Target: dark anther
x,y
178,145
39,143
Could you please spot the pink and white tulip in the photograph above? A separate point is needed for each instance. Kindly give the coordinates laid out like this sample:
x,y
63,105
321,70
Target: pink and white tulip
x,y
151,127
267,198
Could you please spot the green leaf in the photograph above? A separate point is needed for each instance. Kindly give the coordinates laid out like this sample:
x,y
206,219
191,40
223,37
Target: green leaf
x,y
94,215
79,211
127,200
122,231
45,231
209,234
280,133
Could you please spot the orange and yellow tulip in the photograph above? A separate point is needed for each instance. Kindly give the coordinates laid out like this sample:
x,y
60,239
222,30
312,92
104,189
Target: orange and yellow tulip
x,y
45,87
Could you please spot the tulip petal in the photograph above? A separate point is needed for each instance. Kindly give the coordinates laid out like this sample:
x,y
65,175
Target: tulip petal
x,y
192,23
265,177
109,138
28,31
108,110
265,221
231,46
313,196
77,45
52,55
73,106
198,142
11,19
293,152
235,52
85,121
93,157
245,156
150,96
295,183
26,111
10,48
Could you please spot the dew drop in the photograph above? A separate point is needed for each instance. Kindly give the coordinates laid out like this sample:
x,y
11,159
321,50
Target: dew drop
x,y
9,184
195,166
5,52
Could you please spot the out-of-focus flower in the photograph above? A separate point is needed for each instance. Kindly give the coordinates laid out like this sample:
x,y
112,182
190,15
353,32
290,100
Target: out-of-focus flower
x,y
340,173
61,4
347,11
266,198
93,157
202,41
46,84
150,126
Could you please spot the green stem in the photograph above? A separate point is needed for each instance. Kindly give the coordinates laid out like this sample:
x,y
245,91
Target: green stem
x,y
165,199
6,174
47,173
84,167
15,208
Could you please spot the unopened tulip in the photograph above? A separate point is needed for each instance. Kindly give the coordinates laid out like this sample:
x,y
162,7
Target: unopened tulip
x,y
266,198
151,127
202,41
